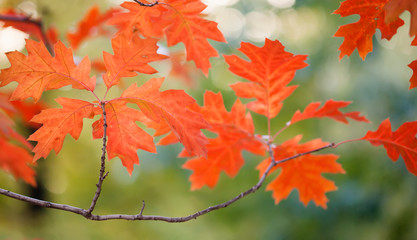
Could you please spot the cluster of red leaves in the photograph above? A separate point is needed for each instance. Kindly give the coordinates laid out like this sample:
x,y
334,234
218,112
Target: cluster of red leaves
x,y
175,114
381,14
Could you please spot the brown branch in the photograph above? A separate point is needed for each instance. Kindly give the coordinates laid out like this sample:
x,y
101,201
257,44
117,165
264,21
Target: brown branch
x,y
146,4
102,176
38,24
87,213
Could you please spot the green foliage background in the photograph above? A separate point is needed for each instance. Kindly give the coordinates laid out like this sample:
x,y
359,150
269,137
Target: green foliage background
x,y
375,200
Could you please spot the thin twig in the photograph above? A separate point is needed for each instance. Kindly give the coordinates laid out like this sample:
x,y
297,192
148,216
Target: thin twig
x,y
38,24
140,216
146,4
102,176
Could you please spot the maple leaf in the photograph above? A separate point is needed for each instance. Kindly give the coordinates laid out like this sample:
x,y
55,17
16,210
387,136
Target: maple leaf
x,y
129,56
330,109
89,25
169,106
270,70
125,137
16,160
401,142
235,133
39,71
57,123
303,173
395,7
180,21
359,34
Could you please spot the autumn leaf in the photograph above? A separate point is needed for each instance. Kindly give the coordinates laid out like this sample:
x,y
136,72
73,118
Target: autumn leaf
x,y
89,25
401,142
57,123
359,34
330,109
125,137
269,71
170,106
303,173
130,56
39,71
16,160
413,79
395,7
179,20
235,133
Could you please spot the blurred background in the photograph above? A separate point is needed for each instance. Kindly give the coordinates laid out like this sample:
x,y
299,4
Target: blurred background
x,y
376,198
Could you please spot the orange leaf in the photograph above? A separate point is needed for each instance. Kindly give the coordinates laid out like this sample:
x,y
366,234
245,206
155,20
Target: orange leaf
x,y
180,20
235,133
330,109
270,70
303,173
130,56
359,34
413,79
401,142
89,25
16,160
39,71
170,106
395,7
57,123
125,137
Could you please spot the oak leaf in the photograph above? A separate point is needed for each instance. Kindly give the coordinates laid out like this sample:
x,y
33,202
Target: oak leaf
x,y
359,34
270,69
125,137
39,71
130,56
170,106
303,173
57,123
89,25
395,7
179,20
235,133
330,109
401,142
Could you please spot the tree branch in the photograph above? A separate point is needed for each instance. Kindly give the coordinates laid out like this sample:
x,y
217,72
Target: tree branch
x,y
87,213
102,176
146,4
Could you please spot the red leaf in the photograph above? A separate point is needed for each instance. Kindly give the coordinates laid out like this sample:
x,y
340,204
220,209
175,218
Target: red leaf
x,y
395,7
413,79
39,71
235,133
89,25
270,70
330,109
359,34
180,20
170,106
16,160
303,173
57,123
125,137
401,142
130,56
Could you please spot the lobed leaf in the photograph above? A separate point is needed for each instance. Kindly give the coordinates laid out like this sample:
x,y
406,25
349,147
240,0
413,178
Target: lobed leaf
x,y
303,173
270,69
401,142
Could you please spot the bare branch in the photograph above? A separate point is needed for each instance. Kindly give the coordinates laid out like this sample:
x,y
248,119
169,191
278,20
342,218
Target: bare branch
x,y
87,213
37,23
102,176
146,4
